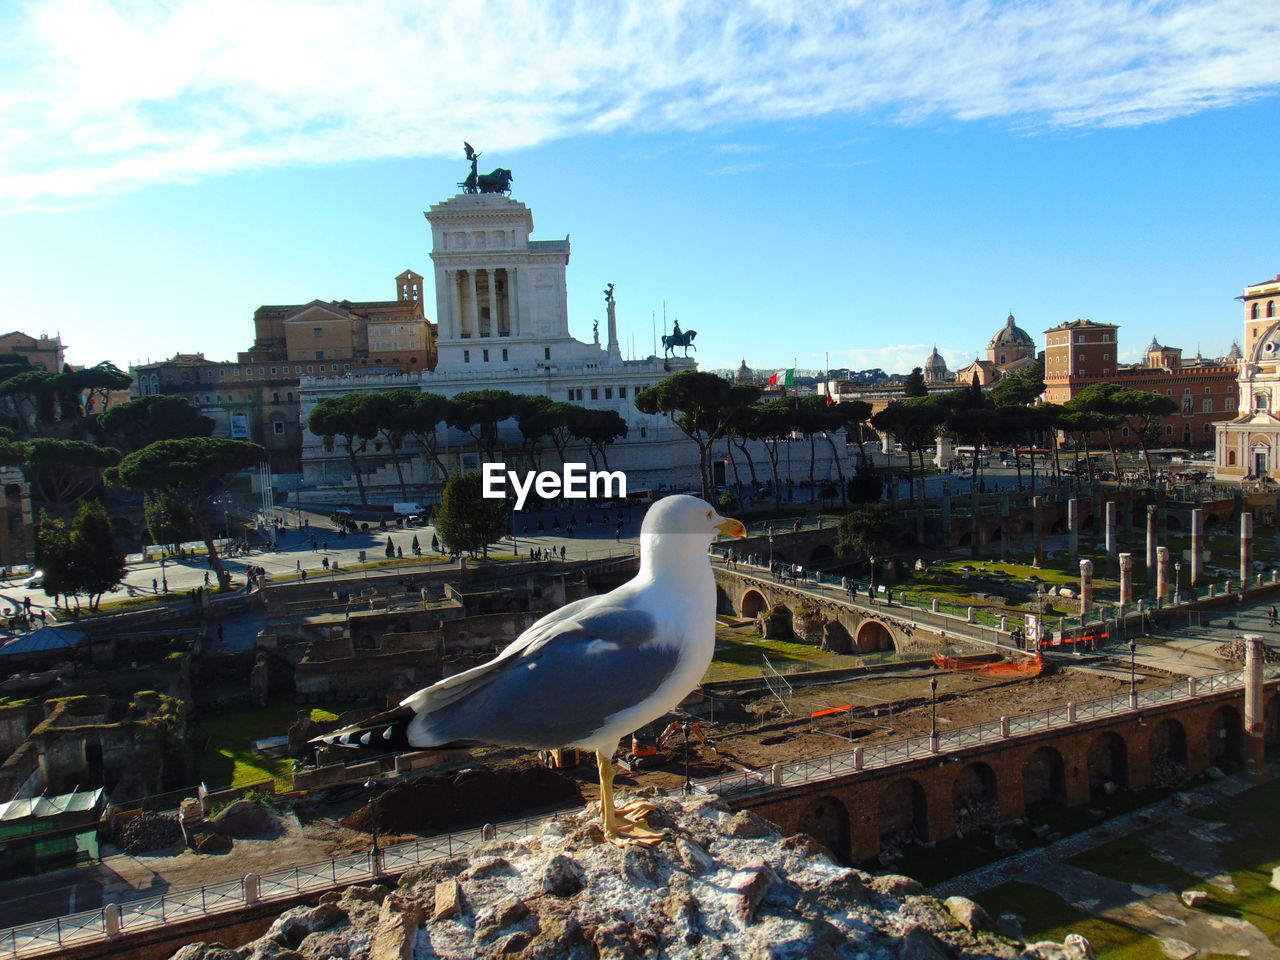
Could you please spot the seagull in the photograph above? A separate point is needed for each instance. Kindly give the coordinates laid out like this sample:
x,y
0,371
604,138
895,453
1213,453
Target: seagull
x,y
587,674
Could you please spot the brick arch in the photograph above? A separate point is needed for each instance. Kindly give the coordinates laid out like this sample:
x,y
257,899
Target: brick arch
x,y
1167,749
827,821
753,603
1108,761
1044,777
1225,734
974,795
872,636
903,813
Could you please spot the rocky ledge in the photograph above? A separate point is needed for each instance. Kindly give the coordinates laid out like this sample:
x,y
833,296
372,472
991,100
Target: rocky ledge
x,y
722,884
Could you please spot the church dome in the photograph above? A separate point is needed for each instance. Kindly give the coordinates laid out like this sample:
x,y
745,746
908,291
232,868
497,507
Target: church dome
x,y
1234,353
744,372
1011,334
935,368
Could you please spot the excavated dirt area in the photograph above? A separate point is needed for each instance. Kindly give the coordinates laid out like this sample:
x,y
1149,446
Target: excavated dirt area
x,y
747,727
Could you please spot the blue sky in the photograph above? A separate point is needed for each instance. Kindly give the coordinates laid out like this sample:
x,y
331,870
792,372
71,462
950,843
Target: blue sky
x,y
792,179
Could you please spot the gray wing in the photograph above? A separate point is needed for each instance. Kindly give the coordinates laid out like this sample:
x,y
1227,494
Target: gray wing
x,y
557,684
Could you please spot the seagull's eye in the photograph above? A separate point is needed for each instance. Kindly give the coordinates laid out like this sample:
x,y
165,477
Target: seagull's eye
x,y
708,514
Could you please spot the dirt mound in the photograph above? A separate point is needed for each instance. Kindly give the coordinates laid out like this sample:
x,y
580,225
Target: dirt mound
x,y
245,818
467,799
1234,650
149,831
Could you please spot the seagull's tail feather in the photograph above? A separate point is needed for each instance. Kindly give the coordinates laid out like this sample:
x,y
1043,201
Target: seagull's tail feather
x,y
383,731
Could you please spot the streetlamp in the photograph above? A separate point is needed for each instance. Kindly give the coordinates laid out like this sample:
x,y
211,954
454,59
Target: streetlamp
x,y
1177,581
771,551
375,855
871,585
1133,674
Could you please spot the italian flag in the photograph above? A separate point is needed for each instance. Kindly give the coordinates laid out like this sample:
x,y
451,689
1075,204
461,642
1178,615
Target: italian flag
x,y
785,378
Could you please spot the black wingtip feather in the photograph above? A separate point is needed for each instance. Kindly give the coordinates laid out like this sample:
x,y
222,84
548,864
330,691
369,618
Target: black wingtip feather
x,y
383,732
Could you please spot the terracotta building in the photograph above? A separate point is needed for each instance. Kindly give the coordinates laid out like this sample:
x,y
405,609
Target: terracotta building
x,y
43,352
255,397
1082,352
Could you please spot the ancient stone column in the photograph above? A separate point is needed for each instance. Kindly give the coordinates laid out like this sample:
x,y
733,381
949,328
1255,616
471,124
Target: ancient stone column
x,y
1086,587
1037,533
1246,552
1126,580
1073,527
946,507
1162,574
1151,540
1004,526
1110,513
1255,726
1197,544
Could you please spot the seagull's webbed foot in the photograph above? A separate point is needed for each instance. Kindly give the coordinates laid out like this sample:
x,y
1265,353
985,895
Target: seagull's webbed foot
x,y
624,825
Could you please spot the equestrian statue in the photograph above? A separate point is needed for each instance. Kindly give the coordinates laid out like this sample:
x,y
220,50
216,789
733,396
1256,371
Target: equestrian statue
x,y
497,181
678,339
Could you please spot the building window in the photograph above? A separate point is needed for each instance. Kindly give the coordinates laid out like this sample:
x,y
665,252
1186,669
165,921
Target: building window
x,y
1208,428
317,332
262,371
328,444
1231,458
289,397
595,393
275,397
1206,391
1168,393
504,354
1207,406
1271,308
273,371
1124,432
546,353
277,427
622,393
346,366
297,370
484,355
466,356
1082,358
319,354
608,393
310,368
644,432
1253,312
1186,405
1261,401
1168,430
570,396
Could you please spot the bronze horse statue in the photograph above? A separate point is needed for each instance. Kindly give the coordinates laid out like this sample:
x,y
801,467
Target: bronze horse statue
x,y
670,342
499,181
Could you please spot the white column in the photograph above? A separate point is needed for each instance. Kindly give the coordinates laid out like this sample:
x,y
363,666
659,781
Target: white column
x,y
493,301
513,304
473,312
448,324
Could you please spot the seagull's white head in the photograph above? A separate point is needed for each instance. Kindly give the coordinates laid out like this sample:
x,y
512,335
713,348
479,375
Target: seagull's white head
x,y
681,527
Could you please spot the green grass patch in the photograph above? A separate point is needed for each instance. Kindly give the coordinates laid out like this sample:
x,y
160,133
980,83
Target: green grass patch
x,y
222,743
742,657
1046,916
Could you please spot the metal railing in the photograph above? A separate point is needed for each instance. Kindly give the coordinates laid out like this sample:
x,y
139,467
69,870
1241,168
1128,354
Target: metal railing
x,y
47,936
881,755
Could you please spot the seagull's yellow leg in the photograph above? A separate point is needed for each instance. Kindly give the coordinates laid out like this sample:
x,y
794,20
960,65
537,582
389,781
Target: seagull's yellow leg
x,y
629,828
607,815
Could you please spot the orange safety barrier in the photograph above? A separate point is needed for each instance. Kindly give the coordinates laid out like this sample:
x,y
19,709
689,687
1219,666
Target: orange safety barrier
x,y
998,668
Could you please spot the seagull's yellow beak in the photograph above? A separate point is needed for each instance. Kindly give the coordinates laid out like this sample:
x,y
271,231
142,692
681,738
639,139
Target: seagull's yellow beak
x,y
732,528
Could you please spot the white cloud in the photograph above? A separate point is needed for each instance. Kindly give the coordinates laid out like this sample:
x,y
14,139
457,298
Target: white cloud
x,y
97,97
